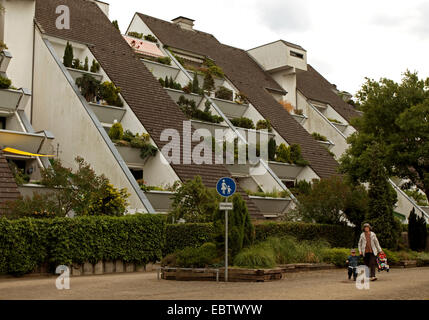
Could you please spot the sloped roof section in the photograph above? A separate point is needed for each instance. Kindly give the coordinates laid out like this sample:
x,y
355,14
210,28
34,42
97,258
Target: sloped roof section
x,y
8,188
143,93
253,81
315,87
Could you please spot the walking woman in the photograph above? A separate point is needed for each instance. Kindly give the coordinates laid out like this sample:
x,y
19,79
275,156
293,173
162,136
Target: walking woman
x,y
369,248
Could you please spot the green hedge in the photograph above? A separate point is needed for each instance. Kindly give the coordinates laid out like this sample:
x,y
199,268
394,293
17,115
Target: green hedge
x,y
182,235
337,236
27,243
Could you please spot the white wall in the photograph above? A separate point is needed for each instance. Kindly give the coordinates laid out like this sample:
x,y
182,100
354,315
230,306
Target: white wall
x,y
287,80
58,109
18,36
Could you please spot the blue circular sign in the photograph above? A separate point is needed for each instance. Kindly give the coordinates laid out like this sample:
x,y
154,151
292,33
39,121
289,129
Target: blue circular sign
x,y
226,187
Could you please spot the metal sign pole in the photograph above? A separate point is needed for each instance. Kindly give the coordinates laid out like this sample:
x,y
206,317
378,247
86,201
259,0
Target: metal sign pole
x,y
226,244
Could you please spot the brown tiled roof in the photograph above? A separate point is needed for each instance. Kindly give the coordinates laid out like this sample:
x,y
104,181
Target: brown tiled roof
x,y
252,80
315,87
143,93
8,188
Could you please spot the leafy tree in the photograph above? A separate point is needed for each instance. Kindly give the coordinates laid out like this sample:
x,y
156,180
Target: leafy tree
x,y
194,202
241,232
82,192
396,116
417,231
68,55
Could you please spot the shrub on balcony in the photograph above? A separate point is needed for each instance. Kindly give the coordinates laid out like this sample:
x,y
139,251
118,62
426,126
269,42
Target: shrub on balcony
x,y
5,83
150,38
135,34
299,112
116,132
164,60
18,174
224,93
291,154
243,122
319,137
86,64
273,194
190,109
68,55
110,93
209,84
95,67
89,86
210,67
334,120
77,64
264,124
241,98
170,83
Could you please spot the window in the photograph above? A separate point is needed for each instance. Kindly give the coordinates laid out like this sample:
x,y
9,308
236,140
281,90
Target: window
x,y
289,183
297,55
2,123
137,173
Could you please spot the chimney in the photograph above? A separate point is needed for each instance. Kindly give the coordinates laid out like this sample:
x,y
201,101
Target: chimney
x,y
184,23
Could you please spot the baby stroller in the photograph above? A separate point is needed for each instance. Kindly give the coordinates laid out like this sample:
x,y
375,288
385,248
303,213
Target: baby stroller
x,y
382,262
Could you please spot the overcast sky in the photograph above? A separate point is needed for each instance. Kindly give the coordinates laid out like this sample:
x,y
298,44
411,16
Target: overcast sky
x,y
345,41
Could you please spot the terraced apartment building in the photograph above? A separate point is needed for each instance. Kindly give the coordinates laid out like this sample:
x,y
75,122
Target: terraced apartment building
x,y
155,63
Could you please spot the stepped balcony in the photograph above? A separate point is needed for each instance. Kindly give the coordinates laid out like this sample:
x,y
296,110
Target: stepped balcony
x,y
160,70
107,114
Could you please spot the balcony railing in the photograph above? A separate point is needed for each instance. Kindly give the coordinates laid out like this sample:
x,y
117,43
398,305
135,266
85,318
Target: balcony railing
x,y
160,200
131,156
285,171
175,95
29,142
340,126
107,114
75,73
299,118
271,207
218,81
5,58
13,100
160,70
197,124
328,144
230,108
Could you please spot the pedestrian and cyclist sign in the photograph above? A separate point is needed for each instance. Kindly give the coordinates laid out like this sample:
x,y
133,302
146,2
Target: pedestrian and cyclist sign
x,y
226,187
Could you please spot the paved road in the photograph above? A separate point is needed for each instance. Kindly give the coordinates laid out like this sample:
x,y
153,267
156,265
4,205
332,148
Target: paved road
x,y
412,283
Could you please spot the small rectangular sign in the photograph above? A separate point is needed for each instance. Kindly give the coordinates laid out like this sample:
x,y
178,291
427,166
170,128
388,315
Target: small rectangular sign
x,y
225,206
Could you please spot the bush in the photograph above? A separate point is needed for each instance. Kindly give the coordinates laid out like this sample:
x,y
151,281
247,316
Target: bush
x,y
5,83
243,122
336,256
135,34
89,86
116,132
150,38
164,60
224,93
27,243
110,93
197,257
182,235
95,67
336,236
241,232
319,137
272,148
264,124
255,257
190,109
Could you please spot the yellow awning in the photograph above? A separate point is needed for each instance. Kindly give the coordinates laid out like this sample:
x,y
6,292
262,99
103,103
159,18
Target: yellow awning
x,y
24,153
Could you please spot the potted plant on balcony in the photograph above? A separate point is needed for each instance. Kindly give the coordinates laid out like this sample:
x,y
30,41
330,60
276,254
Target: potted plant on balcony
x,y
208,84
68,55
3,46
89,87
224,93
264,124
135,34
243,122
5,83
110,93
95,67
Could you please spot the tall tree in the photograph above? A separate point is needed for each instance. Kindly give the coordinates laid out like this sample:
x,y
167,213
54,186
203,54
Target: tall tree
x,y
396,116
